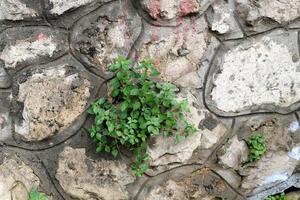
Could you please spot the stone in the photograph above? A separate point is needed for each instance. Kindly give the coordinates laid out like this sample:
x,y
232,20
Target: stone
x,y
16,179
271,169
221,19
177,191
5,117
293,195
59,7
234,154
16,10
170,9
178,52
259,15
102,36
48,108
230,176
22,46
86,179
252,76
5,80
164,150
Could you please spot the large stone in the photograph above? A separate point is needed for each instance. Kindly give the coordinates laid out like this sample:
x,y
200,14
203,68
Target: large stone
x,y
16,179
101,36
5,117
16,10
170,9
5,79
271,169
85,179
178,52
251,76
164,150
234,154
263,15
51,99
22,46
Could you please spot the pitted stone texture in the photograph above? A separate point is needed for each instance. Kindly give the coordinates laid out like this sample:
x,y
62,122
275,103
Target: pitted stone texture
x,y
16,10
271,169
221,19
177,191
52,99
5,117
261,15
234,154
16,179
22,46
252,76
171,9
58,7
5,80
85,179
100,37
164,150
177,52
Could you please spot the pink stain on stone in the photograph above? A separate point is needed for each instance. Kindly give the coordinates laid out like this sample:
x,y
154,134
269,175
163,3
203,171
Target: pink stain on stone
x,y
186,7
154,9
42,36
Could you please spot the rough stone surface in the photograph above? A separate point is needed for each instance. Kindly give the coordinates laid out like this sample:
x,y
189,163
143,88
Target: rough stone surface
x,y
61,6
170,9
235,154
20,47
16,179
49,107
268,171
253,75
178,52
15,10
257,14
86,179
101,37
5,117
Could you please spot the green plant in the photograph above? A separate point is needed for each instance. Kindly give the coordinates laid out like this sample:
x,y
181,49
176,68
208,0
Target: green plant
x,y
137,107
277,197
35,195
257,146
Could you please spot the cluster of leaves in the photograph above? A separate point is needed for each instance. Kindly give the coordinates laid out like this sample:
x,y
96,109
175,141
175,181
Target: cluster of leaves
x,y
277,197
137,107
257,146
35,195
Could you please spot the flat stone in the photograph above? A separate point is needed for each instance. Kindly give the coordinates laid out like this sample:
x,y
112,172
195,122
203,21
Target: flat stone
x,y
47,107
251,76
263,15
178,52
170,9
101,36
230,175
221,19
234,154
16,10
5,79
85,179
22,46
16,179
164,150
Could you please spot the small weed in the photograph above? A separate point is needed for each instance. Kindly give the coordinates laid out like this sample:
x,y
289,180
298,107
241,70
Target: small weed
x,y
257,146
35,195
136,109
277,197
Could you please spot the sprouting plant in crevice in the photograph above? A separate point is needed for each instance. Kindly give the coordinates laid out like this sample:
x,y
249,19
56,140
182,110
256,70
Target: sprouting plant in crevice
x,y
257,147
35,195
281,196
137,108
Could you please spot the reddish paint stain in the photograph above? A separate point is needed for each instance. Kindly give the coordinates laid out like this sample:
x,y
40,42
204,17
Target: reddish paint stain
x,y
186,7
42,36
154,9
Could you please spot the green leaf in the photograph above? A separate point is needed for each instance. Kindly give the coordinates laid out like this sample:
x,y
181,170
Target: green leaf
x,y
136,105
134,92
115,152
124,106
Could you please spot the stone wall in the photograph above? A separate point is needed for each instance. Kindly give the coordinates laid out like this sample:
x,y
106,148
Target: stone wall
x,y
235,61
